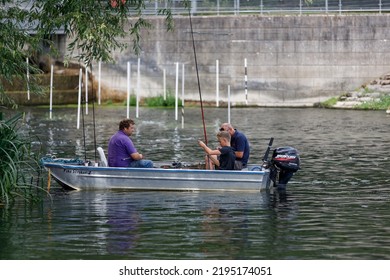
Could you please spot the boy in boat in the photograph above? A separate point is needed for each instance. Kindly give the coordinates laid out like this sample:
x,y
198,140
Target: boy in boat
x,y
121,150
223,157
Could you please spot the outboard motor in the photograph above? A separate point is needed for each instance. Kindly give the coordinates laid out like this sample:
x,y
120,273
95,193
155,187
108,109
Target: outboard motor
x,y
284,163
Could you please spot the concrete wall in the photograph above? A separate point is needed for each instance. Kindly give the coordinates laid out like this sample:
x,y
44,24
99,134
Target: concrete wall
x,y
291,60
65,90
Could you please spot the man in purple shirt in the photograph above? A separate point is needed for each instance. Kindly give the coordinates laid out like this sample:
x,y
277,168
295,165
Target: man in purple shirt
x,y
121,150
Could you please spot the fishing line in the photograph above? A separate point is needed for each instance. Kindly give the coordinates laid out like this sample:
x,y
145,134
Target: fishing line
x,y
197,75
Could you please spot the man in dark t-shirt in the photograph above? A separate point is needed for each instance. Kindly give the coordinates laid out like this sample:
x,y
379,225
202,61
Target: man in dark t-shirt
x,y
240,145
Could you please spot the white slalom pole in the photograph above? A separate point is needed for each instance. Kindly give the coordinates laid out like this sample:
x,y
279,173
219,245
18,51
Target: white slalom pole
x,y
228,103
28,80
217,82
182,97
177,91
128,88
138,87
79,100
165,84
99,82
182,85
51,90
246,82
86,90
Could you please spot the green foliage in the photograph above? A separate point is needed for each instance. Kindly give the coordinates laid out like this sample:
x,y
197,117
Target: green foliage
x,y
328,103
382,104
133,100
159,101
18,164
95,29
15,46
109,102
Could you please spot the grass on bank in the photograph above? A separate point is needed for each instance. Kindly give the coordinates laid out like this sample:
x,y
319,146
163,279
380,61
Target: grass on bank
x,y
328,103
382,103
156,101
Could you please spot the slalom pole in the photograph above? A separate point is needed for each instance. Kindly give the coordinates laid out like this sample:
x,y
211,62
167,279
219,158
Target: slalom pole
x,y
229,104
176,91
79,98
217,82
99,81
86,90
51,91
182,97
138,87
128,89
246,81
28,80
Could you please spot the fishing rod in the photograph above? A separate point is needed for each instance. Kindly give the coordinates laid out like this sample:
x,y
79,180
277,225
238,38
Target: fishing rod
x,y
82,114
197,75
93,117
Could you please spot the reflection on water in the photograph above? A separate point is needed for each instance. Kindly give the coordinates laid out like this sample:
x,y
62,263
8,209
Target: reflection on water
x,y
335,207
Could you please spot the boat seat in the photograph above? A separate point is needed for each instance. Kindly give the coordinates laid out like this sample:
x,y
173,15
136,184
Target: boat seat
x,y
103,159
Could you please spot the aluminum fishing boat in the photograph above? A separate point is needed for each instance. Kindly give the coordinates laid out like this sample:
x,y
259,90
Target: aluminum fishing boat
x,y
81,175
78,175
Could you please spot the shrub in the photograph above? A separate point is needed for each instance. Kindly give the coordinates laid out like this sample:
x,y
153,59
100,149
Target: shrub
x,y
17,164
382,104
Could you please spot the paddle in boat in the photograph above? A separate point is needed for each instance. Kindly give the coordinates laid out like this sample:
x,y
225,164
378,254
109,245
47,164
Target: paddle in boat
x,y
88,175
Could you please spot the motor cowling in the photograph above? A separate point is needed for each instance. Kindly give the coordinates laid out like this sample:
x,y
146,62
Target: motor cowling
x,y
284,163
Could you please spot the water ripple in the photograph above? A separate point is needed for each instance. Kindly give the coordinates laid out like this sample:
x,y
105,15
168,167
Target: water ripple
x,y
335,207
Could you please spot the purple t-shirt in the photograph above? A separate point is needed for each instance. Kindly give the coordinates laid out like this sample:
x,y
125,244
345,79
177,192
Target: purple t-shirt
x,y
120,148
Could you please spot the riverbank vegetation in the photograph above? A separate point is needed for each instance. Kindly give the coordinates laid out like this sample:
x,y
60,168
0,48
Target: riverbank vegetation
x,y
381,102
155,101
372,96
19,166
160,101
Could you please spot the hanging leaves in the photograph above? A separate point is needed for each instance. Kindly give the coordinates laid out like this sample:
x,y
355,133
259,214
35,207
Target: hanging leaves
x,y
94,30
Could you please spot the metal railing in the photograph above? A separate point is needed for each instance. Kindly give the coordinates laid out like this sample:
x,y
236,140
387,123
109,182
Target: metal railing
x,y
236,7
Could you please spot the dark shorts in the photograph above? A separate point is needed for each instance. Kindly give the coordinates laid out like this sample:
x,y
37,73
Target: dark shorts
x,y
238,165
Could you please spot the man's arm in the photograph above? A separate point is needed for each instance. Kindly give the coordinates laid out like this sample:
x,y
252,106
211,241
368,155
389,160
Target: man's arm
x,y
137,156
239,154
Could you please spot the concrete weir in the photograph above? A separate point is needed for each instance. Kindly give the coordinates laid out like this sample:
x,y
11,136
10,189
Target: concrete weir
x,y
291,60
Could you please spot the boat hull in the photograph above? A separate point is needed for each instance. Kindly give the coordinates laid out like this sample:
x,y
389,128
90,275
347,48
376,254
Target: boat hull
x,y
80,177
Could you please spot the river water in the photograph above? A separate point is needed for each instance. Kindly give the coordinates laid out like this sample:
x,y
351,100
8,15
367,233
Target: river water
x,y
335,207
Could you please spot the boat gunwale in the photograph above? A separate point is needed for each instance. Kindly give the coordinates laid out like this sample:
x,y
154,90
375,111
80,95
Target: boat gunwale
x,y
149,170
